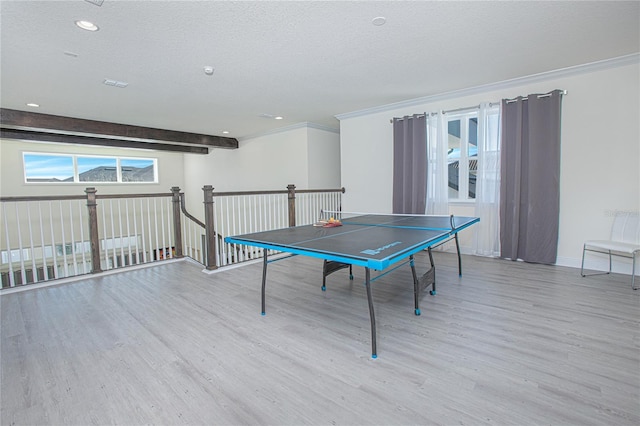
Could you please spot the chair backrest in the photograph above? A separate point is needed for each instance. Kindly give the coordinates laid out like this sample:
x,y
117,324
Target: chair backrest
x,y
626,227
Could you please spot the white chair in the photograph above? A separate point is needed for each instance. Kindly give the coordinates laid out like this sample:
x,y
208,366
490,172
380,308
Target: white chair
x,y
624,242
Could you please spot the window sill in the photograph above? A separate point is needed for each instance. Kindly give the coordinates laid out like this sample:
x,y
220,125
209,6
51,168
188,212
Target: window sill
x,y
462,202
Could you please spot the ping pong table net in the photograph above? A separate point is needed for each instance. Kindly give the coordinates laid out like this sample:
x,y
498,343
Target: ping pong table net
x,y
332,218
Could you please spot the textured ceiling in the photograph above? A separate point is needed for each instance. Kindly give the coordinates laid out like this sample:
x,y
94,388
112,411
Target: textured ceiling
x,y
307,61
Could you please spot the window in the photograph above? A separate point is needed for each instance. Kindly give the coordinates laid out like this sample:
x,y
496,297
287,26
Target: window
x,y
48,168
97,169
462,156
137,170
63,168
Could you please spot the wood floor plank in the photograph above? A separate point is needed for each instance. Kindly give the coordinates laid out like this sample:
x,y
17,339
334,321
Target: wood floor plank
x,y
506,343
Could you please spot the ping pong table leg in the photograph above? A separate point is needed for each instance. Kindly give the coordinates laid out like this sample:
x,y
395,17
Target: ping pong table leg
x,y
416,286
331,266
426,280
459,258
371,314
433,266
264,278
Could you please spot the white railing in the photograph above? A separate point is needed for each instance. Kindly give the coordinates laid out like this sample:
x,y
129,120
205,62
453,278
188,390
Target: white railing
x,y
52,237
236,213
309,204
193,235
43,239
244,214
135,230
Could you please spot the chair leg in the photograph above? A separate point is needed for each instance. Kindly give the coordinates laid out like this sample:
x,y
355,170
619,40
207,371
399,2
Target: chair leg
x,y
584,250
633,268
633,273
609,261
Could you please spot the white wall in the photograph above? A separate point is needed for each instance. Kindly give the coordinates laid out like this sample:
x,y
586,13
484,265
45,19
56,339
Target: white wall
x,y
303,156
323,159
170,170
600,150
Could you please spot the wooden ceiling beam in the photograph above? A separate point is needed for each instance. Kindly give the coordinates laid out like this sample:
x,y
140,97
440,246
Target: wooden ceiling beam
x,y
24,125
33,136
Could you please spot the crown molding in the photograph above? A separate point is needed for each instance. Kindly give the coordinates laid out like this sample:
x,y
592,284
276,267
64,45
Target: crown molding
x,y
619,61
301,125
323,128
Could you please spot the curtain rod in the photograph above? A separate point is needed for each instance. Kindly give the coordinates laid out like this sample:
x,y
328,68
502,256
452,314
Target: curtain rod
x,y
445,112
545,95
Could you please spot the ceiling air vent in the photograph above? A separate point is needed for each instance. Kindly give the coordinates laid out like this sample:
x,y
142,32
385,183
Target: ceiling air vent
x,y
96,2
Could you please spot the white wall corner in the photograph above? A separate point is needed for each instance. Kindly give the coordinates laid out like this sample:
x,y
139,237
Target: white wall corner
x,y
301,125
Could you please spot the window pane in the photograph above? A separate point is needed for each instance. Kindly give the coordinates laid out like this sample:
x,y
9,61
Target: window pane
x,y
137,170
453,157
473,137
473,173
472,152
97,169
48,168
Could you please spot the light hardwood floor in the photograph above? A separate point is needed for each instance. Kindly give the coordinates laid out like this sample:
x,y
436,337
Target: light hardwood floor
x,y
506,344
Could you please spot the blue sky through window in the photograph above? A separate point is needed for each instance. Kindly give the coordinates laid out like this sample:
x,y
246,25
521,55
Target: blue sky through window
x,y
90,163
39,166
134,162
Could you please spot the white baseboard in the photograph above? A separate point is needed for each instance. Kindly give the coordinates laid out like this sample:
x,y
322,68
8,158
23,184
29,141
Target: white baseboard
x,y
593,261
82,277
600,262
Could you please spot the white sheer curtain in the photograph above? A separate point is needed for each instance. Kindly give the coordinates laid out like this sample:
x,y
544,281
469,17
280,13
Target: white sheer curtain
x,y
487,240
437,171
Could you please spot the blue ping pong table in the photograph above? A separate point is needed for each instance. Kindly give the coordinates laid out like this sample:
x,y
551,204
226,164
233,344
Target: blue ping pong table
x,y
373,241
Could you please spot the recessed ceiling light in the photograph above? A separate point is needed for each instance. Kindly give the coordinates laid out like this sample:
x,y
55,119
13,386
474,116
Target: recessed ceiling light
x,y
116,83
31,104
379,21
275,117
225,132
208,70
86,25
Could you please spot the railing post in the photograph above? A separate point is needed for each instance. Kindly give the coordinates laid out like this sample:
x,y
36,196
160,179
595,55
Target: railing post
x,y
94,239
209,227
177,229
292,204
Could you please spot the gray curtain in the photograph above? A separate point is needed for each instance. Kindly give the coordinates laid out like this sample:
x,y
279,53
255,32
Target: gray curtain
x,y
530,178
410,164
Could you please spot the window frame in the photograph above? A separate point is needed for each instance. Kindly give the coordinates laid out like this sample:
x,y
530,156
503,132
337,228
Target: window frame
x,y
464,158
76,172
